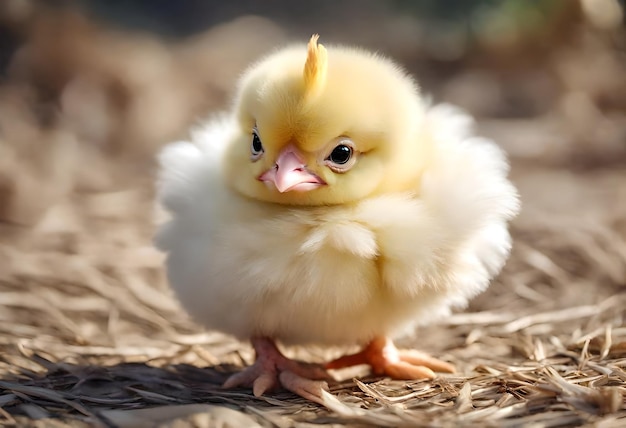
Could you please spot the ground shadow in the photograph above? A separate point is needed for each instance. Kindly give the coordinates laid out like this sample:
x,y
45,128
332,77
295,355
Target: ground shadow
x,y
90,392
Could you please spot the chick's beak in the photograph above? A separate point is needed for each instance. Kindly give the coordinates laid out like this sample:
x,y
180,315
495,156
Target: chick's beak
x,y
290,173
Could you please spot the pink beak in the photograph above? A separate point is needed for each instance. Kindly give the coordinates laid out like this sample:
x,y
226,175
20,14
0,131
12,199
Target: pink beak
x,y
290,173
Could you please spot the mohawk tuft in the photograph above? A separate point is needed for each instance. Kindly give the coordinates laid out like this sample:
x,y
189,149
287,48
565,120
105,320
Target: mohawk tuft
x,y
315,68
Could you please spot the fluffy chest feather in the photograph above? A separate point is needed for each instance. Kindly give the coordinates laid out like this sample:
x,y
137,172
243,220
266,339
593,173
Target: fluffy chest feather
x,y
325,275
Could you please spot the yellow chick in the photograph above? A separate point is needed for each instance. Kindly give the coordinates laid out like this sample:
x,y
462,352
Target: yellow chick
x,y
333,205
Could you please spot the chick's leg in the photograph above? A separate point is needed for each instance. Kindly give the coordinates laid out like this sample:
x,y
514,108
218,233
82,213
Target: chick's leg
x,y
385,359
272,369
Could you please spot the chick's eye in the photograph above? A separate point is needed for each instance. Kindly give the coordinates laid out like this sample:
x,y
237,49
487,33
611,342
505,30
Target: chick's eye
x,y
340,154
256,148
342,157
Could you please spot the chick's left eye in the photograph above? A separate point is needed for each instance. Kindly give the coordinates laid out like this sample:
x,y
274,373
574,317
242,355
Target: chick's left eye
x,y
256,148
340,154
342,157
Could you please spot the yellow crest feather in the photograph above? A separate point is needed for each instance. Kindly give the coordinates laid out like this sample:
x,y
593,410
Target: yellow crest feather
x,y
315,67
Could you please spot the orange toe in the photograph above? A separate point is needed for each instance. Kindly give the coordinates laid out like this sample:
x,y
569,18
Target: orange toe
x,y
385,359
407,371
421,359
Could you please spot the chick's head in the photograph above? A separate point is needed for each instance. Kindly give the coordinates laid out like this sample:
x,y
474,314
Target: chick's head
x,y
320,127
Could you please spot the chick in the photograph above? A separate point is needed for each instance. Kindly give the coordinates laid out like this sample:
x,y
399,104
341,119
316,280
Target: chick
x,y
333,205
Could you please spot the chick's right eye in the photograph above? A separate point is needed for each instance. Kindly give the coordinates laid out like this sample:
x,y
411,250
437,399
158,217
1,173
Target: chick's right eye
x,y
256,148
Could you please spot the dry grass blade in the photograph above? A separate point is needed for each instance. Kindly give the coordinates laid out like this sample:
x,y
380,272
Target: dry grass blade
x,y
357,414
464,400
44,393
566,314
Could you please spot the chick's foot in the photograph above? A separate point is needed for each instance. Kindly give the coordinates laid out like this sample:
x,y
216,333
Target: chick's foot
x,y
385,359
272,369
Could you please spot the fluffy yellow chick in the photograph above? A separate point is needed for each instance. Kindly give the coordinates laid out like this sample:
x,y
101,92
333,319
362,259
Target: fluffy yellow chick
x,y
332,206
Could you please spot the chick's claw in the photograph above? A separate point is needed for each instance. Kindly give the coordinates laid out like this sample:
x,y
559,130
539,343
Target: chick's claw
x,y
385,359
272,370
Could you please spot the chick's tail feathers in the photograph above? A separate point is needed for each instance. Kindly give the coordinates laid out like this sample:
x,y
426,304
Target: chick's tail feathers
x,y
466,184
183,162
187,169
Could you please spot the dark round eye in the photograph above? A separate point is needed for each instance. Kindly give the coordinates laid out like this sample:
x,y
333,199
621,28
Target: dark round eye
x,y
340,154
256,148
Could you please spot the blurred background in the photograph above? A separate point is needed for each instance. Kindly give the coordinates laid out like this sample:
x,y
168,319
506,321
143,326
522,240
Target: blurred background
x,y
90,89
